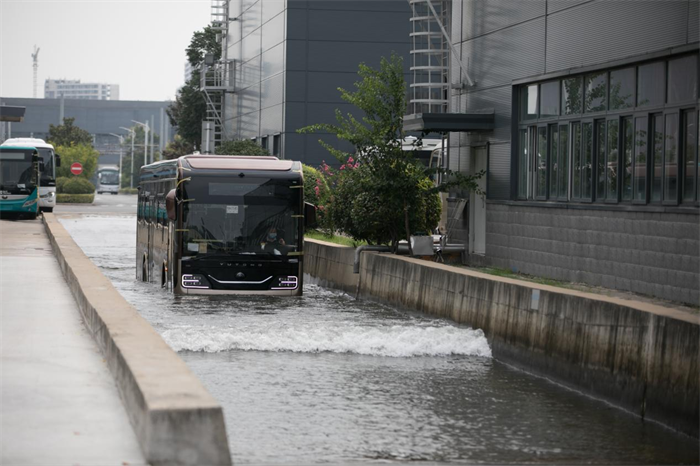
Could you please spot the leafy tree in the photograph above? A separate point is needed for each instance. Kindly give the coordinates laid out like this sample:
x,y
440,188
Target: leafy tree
x,y
189,108
177,148
385,194
241,147
84,154
67,134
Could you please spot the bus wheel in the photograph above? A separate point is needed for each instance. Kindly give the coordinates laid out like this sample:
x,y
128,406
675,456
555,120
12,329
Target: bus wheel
x,y
48,209
32,216
163,277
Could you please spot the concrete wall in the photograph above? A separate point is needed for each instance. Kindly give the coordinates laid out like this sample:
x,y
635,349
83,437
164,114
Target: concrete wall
x,y
330,265
176,421
639,356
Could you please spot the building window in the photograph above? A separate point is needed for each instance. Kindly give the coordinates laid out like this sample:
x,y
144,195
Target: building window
x,y
596,89
571,96
690,128
651,84
641,146
276,144
683,79
549,99
622,89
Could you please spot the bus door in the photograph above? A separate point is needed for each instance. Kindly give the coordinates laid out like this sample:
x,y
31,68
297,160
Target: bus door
x,y
152,221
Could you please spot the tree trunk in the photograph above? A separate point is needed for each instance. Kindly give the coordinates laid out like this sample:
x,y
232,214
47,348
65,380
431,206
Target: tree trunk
x,y
408,230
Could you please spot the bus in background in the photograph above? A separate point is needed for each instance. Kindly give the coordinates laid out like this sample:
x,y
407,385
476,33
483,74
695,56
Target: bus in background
x,y
221,225
108,179
19,181
51,160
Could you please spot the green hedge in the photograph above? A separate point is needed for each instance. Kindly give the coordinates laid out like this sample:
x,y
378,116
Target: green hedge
x,y
75,198
128,191
73,185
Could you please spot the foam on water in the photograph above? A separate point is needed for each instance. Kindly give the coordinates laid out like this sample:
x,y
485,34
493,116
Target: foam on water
x,y
394,341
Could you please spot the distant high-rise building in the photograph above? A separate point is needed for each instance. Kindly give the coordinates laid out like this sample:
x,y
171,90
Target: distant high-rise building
x,y
188,71
74,89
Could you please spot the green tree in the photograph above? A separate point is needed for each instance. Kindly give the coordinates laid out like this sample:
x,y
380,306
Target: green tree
x,y
84,154
68,134
385,194
189,108
177,148
241,147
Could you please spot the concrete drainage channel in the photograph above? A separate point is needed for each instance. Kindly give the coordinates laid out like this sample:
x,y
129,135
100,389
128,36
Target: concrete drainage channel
x,y
639,356
176,420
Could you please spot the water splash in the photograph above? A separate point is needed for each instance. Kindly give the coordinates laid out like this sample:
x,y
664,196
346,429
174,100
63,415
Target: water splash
x,y
395,341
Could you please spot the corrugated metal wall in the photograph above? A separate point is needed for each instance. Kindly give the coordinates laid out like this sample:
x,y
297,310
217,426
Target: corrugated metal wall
x,y
294,56
501,41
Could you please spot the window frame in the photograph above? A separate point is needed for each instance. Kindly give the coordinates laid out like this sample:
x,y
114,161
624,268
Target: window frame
x,y
673,202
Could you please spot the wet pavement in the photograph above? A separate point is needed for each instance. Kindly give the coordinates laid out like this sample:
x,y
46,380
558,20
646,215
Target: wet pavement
x,y
324,378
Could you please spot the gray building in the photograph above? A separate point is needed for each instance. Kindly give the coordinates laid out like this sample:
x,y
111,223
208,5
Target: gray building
x,y
74,89
100,118
593,158
284,61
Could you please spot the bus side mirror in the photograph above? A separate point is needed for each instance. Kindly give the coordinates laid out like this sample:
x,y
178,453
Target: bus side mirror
x,y
58,160
41,166
171,205
309,215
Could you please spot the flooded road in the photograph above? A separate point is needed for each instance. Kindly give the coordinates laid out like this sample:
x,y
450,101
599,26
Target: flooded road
x,y
324,378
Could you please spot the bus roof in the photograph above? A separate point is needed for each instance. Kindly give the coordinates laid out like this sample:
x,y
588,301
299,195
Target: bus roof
x,y
237,162
27,142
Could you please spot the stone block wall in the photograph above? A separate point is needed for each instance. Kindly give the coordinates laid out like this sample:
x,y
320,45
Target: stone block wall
x,y
651,253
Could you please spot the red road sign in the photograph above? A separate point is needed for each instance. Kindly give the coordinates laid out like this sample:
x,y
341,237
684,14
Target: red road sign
x,y
76,168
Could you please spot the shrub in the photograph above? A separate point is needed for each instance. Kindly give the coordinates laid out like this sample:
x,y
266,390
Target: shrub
x,y
128,191
75,198
77,185
86,155
315,186
60,183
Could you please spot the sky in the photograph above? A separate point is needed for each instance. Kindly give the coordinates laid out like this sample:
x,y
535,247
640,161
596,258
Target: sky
x,y
137,44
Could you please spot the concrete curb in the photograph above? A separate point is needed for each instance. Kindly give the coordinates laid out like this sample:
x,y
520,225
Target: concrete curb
x,y
176,421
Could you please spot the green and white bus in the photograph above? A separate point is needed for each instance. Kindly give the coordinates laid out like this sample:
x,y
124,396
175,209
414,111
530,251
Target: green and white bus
x,y
50,161
19,181
221,225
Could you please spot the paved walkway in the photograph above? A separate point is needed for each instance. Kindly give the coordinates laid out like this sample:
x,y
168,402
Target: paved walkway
x,y
59,403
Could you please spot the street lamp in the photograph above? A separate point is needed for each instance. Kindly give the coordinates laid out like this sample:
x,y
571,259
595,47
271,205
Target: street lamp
x,y
133,135
146,128
121,143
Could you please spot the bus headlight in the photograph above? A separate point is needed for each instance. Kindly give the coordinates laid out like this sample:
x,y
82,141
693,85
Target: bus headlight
x,y
286,283
194,281
30,202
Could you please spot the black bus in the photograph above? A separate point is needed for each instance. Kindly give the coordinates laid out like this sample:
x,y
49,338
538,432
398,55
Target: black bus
x,y
221,225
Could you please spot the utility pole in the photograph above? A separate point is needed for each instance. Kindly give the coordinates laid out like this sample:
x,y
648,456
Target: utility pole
x,y
153,127
35,59
121,146
133,134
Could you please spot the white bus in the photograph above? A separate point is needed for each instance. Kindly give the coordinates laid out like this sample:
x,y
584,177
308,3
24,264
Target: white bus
x,y
108,179
47,187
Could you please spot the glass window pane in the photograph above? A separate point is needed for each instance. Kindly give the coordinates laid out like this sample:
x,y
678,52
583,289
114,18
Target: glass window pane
x,y
564,162
612,161
587,162
531,168
628,150
651,84
622,89
528,102
571,96
657,175
683,79
541,162
640,159
596,91
576,155
554,156
671,158
690,157
522,164
601,165
549,99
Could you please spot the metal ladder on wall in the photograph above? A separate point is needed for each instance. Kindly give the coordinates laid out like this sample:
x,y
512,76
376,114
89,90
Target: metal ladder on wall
x,y
214,81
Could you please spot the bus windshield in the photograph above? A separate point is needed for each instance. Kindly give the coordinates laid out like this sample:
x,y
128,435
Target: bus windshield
x,y
226,215
47,157
17,174
109,177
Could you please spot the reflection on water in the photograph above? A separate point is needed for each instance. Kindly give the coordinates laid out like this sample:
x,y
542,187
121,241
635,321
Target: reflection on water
x,y
325,378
